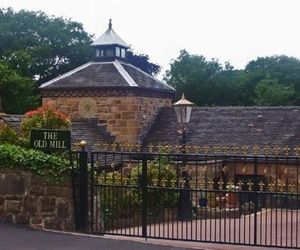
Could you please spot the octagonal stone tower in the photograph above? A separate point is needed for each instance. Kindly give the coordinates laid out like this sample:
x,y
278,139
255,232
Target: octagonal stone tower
x,y
121,96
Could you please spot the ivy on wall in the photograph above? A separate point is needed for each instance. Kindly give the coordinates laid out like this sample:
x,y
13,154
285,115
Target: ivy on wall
x,y
51,167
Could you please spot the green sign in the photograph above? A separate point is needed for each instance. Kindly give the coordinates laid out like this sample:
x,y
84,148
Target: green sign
x,y
46,139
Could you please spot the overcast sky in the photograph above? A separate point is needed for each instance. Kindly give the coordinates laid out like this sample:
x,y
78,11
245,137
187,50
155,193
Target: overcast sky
x,y
229,30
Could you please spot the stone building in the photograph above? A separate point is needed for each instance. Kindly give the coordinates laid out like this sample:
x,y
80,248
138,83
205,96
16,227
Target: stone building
x,y
109,99
123,99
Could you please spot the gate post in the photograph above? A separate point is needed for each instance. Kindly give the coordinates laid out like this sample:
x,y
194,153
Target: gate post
x,y
83,189
255,198
144,196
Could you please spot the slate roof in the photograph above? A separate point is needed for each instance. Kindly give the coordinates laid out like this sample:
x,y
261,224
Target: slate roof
x,y
235,126
110,37
106,74
81,129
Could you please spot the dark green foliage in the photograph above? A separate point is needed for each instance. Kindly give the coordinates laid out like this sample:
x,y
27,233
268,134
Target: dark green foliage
x,y
118,202
265,81
52,168
41,46
142,61
16,91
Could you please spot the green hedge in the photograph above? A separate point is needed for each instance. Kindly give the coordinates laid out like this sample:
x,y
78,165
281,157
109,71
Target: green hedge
x,y
52,168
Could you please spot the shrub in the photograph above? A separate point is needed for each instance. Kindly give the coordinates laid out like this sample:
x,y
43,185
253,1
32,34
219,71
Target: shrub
x,y
119,202
44,117
8,135
52,168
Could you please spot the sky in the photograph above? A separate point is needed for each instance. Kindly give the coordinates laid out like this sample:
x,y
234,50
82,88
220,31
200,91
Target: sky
x,y
228,30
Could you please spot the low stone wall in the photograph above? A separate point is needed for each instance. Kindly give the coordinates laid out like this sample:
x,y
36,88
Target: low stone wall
x,y
26,199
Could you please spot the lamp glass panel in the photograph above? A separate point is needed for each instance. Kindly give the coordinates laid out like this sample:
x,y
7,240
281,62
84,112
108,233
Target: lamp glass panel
x,y
188,114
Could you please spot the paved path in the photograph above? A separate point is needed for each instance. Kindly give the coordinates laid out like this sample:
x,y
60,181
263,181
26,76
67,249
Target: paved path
x,y
18,237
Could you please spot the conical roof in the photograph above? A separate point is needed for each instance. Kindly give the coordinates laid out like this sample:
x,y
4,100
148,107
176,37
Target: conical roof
x,y
110,37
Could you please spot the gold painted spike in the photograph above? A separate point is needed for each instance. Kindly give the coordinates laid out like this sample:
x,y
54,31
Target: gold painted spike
x,y
292,188
129,147
276,150
225,149
170,148
271,187
285,171
196,149
206,149
101,179
201,184
216,149
220,183
235,149
255,150
163,182
155,181
281,186
297,150
150,148
181,183
266,170
240,184
245,149
261,186
230,185
173,183
138,147
266,150
177,149
113,146
188,149
193,184
122,146
211,184
106,146
244,170
287,150
250,185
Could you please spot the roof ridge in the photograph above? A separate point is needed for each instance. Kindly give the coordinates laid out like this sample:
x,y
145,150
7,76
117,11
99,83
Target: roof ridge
x,y
124,74
163,83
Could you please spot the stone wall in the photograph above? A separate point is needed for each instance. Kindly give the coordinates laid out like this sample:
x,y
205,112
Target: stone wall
x,y
125,117
26,199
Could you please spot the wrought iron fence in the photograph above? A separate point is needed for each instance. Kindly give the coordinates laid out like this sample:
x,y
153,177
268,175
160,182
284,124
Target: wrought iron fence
x,y
224,198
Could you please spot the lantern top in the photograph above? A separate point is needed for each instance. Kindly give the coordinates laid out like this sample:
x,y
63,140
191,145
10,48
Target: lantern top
x,y
183,102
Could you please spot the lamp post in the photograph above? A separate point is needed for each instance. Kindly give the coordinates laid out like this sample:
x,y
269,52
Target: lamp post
x,y
183,110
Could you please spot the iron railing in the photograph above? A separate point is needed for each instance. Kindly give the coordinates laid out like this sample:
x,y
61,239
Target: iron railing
x,y
223,198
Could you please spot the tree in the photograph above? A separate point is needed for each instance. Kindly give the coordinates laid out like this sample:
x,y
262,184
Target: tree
x,y
194,76
142,62
16,92
42,47
282,70
271,93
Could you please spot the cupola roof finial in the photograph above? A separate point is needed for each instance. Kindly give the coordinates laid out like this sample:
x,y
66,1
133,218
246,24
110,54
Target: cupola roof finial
x,y
110,24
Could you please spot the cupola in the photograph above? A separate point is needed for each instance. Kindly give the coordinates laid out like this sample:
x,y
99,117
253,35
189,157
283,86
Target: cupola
x,y
110,46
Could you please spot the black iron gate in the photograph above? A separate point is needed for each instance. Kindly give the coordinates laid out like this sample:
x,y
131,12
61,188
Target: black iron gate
x,y
235,199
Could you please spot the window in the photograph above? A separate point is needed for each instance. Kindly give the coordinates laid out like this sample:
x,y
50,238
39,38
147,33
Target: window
x,y
123,52
118,52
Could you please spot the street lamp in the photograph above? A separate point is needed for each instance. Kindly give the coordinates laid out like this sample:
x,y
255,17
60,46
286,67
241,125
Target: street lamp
x,y
183,110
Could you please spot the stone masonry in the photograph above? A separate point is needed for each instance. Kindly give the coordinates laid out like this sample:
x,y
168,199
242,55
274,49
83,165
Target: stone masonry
x,y
126,117
26,199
